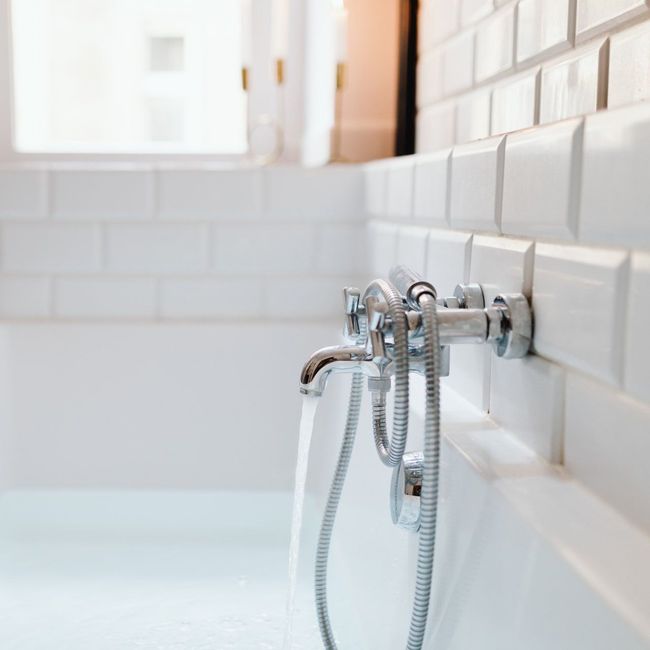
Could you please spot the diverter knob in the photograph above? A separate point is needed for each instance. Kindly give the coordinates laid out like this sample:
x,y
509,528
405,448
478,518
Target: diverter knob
x,y
405,491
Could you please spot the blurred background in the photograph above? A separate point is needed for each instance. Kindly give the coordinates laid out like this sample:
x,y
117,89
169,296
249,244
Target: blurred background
x,y
167,76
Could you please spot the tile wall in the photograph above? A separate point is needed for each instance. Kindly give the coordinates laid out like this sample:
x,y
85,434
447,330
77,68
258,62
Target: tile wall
x,y
157,244
488,67
533,175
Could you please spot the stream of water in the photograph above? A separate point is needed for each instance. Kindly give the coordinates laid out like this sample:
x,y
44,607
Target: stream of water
x,y
309,406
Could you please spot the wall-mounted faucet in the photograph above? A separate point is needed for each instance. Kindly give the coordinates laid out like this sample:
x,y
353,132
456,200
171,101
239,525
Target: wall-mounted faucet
x,y
394,328
463,318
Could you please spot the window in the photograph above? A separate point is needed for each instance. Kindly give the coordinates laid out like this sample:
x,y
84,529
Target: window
x,y
127,76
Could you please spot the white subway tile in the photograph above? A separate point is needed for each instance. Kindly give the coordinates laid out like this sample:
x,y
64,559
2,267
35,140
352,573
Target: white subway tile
x,y
431,181
342,249
105,298
615,190
306,298
23,193
412,247
439,19
206,298
24,297
448,259
476,184
629,66
473,116
376,182
473,10
400,188
498,264
335,192
458,63
156,248
595,16
541,181
383,247
206,193
607,446
544,27
494,50
56,247
578,301
576,84
279,248
637,350
527,399
502,265
429,78
101,193
469,374
435,128
515,103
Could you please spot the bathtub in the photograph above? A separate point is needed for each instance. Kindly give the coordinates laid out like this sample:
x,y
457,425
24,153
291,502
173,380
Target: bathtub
x,y
146,497
147,475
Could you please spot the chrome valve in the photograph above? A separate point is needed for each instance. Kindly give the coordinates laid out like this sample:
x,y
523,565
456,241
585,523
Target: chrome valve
x,y
405,488
353,308
463,318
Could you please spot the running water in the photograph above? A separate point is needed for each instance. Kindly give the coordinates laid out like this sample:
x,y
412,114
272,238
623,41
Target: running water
x,y
309,405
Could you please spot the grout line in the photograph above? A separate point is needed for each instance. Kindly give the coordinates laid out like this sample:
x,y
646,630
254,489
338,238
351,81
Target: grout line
x,y
575,176
603,76
501,157
623,308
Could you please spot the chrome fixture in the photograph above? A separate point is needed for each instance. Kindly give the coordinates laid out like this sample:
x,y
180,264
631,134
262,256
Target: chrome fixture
x,y
405,490
462,319
394,328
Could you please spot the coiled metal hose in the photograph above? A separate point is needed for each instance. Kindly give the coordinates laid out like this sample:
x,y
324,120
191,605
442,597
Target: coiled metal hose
x,y
333,499
430,475
429,494
391,450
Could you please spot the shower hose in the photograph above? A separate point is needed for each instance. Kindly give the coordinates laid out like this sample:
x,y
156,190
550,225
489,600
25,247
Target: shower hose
x,y
390,452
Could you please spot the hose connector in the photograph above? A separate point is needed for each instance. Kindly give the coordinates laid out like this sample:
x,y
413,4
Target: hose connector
x,y
411,285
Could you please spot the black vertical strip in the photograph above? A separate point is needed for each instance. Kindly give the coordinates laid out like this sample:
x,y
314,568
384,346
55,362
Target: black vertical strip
x,y
405,133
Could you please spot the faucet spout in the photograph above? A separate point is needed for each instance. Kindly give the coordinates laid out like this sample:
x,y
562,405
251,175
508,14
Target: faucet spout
x,y
337,358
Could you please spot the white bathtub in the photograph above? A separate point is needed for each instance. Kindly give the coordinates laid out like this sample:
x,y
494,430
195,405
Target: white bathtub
x,y
146,476
526,557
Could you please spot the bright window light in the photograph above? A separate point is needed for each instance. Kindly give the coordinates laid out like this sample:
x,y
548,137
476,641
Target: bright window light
x,y
128,76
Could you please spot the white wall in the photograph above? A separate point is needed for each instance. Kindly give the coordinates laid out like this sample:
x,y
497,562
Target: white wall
x,y
140,243
558,211
162,406
155,320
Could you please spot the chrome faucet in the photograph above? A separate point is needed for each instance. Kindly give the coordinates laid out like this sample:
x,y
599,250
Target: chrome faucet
x,y
463,319
336,358
396,328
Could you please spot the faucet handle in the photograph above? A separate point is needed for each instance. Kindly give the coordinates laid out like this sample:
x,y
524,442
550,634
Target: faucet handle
x,y
353,308
351,299
377,323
